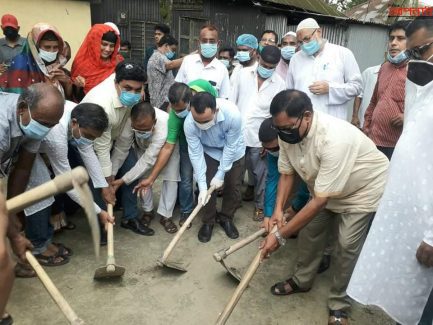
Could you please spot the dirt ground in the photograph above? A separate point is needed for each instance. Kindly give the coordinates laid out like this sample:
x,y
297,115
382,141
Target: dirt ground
x,y
148,294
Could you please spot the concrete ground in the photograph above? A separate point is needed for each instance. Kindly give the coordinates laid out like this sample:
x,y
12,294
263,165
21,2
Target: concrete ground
x,y
148,294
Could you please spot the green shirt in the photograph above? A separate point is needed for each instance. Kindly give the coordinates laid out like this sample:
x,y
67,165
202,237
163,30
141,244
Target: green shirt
x,y
175,129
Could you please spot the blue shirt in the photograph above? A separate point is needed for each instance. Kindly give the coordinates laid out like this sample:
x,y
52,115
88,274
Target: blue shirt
x,y
223,142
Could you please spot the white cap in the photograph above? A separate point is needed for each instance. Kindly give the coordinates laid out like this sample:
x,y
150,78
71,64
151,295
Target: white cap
x,y
307,23
289,34
113,25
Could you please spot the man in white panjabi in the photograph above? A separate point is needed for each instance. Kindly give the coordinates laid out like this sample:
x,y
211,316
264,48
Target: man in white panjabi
x,y
328,73
395,268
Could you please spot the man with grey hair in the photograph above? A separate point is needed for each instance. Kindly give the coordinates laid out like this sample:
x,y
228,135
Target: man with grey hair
x,y
328,73
24,121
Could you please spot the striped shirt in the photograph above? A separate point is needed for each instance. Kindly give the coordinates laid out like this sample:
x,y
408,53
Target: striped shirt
x,y
386,103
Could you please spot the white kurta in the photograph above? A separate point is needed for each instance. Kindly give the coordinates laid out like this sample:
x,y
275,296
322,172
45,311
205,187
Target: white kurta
x,y
387,273
369,79
335,64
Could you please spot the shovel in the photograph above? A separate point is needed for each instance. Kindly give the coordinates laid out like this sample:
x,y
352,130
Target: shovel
x,y
228,309
222,254
111,270
178,265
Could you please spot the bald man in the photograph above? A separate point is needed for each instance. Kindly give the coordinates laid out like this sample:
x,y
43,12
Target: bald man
x,y
24,121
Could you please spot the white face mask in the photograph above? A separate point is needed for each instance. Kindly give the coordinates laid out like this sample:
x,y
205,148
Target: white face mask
x,y
48,56
205,126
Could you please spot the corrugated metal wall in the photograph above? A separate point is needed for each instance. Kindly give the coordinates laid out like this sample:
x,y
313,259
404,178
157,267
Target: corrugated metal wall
x,y
368,44
333,33
277,23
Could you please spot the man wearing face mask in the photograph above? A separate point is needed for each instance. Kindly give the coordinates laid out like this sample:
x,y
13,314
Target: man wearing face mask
x,y
226,55
78,127
383,121
328,73
205,64
116,95
214,133
288,48
345,174
401,280
246,55
159,71
25,120
252,95
134,155
12,44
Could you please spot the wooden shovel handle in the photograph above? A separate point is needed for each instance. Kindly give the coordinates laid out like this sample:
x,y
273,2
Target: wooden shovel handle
x,y
53,291
110,239
182,229
235,247
224,316
59,184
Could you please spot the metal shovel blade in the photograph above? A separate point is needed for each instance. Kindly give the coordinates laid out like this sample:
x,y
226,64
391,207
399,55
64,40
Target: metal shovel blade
x,y
173,265
103,272
232,271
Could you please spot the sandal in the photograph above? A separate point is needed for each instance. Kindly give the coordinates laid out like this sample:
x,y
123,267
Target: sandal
x,y
168,225
338,317
147,218
52,260
24,271
6,319
279,289
63,250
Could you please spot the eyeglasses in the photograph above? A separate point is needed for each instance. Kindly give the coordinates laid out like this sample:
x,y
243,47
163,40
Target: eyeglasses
x,y
144,131
269,40
307,39
289,130
417,52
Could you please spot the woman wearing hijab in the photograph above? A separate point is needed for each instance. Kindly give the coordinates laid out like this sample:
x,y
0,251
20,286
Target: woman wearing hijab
x,y
38,62
96,59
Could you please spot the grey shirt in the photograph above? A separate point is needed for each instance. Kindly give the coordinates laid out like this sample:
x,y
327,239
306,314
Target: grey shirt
x,y
159,79
11,136
7,53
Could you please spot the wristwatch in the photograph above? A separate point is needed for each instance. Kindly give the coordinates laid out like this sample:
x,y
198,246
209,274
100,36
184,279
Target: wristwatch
x,y
281,240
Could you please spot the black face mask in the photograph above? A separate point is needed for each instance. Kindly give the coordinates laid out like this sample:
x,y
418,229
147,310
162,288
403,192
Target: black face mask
x,y
293,135
420,72
10,33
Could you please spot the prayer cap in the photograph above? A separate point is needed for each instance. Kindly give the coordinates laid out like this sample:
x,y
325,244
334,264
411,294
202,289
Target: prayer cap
x,y
307,23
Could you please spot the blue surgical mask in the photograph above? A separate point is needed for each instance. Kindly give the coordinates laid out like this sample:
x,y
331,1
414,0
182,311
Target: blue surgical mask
x,y
287,52
129,99
34,130
276,154
143,135
48,56
399,58
311,47
182,114
82,142
243,56
264,72
208,50
169,55
225,62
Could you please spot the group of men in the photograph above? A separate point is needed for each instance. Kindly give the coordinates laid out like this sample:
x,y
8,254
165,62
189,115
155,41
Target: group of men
x,y
279,116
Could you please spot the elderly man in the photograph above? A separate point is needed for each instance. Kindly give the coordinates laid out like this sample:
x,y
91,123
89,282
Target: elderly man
x,y
116,95
25,121
12,44
395,269
134,155
289,45
253,93
345,174
216,147
246,55
384,116
326,72
205,64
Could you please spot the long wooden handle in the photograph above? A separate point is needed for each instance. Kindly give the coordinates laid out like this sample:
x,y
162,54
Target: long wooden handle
x,y
222,319
53,291
182,229
59,184
110,239
235,247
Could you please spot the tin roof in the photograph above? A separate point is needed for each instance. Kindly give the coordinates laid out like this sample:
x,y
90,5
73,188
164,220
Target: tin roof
x,y
317,6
